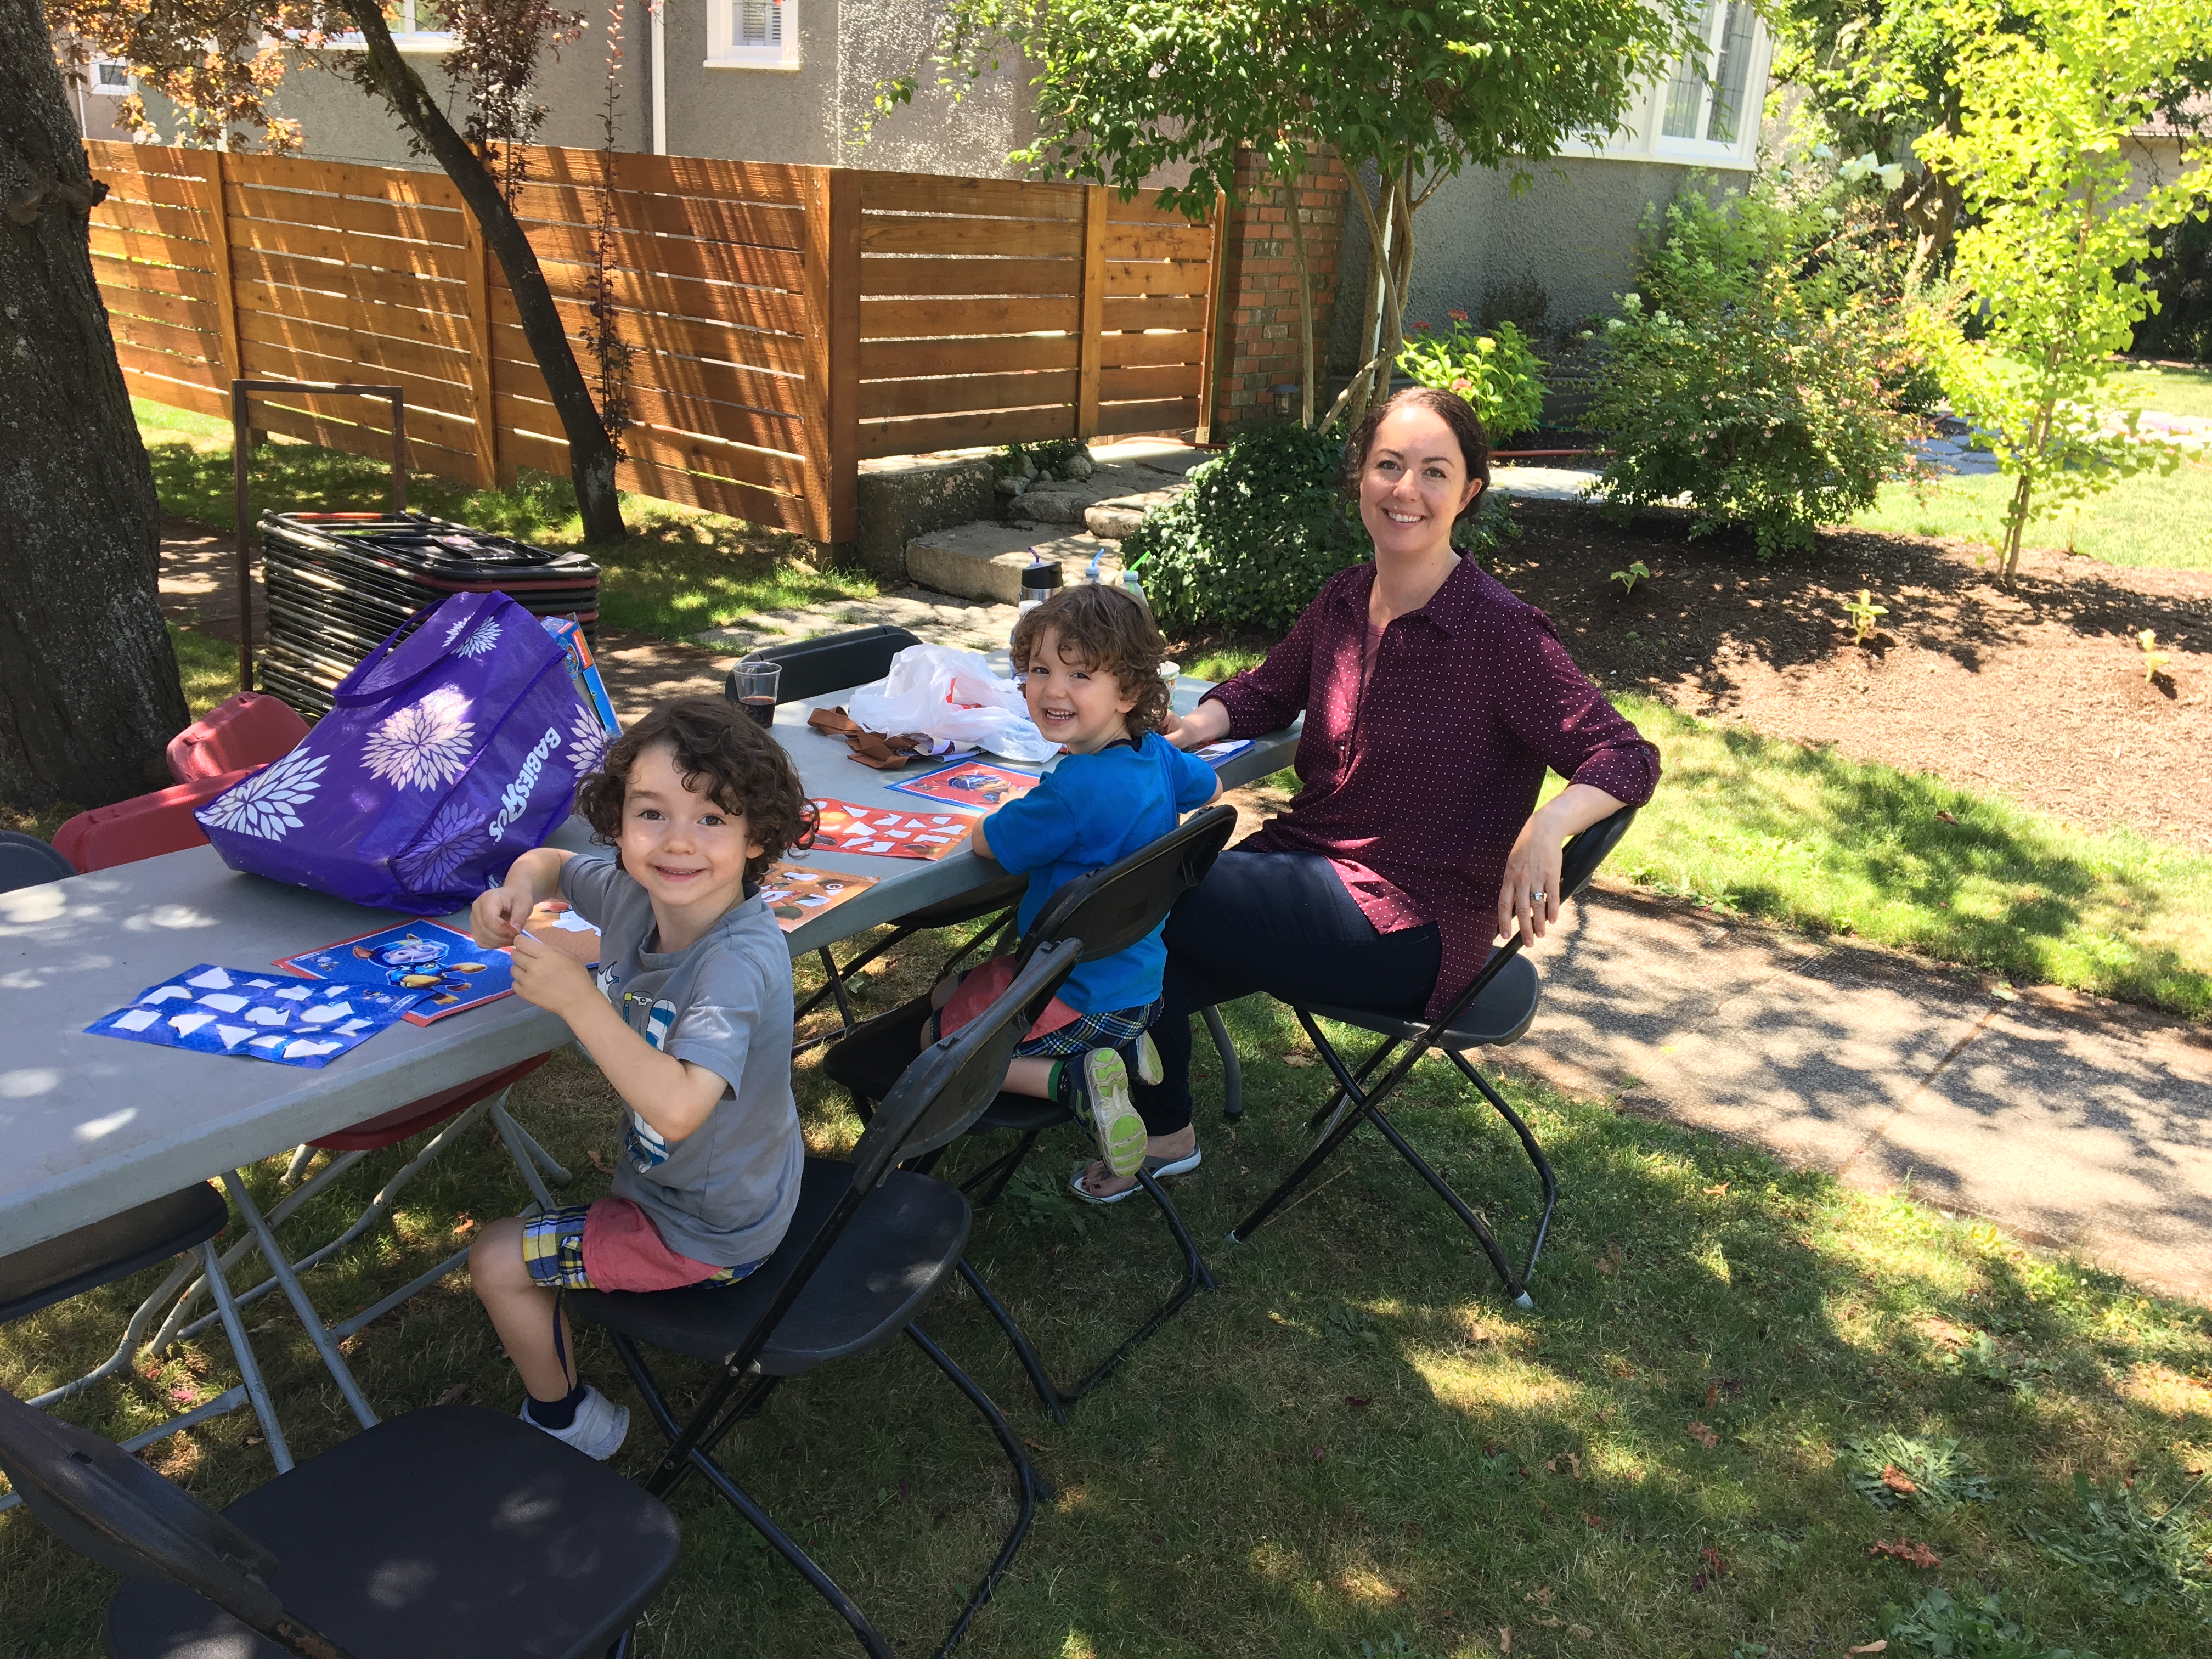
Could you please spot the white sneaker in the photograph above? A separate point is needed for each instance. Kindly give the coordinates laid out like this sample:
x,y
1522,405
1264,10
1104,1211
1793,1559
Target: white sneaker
x,y
599,1428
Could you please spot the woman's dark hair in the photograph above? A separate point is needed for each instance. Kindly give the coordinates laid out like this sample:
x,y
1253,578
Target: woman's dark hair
x,y
1448,406
745,771
1108,631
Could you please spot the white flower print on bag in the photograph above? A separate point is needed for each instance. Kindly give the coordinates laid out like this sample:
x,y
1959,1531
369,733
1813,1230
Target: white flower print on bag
x,y
424,745
268,803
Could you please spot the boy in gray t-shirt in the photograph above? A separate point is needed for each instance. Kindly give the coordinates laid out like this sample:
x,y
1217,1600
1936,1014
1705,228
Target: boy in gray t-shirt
x,y
690,1018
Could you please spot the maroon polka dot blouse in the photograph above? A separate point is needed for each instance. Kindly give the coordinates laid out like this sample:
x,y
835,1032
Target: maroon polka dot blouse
x,y
1415,785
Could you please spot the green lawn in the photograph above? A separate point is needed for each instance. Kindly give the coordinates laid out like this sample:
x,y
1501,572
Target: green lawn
x,y
680,572
2143,521
1816,841
2169,391
1353,1449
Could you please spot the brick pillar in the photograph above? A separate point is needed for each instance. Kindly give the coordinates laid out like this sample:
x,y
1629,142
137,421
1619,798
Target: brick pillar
x,y
1260,345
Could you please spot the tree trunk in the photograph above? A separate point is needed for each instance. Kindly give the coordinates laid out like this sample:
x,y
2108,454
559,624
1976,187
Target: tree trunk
x,y
590,451
89,692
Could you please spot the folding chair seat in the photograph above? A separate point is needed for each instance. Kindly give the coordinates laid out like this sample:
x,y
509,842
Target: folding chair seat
x,y
143,827
27,862
837,662
871,1244
103,1252
1496,1008
450,1533
1100,915
250,729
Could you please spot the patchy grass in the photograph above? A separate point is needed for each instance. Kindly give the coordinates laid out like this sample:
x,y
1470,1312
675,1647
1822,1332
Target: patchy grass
x,y
679,572
2169,391
1352,1442
2146,520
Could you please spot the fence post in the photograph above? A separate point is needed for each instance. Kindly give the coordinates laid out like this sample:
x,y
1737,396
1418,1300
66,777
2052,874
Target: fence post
x,y
1093,338
1209,349
477,256
831,401
226,289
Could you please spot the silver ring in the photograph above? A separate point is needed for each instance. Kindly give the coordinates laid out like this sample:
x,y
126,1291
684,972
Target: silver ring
x,y
1536,897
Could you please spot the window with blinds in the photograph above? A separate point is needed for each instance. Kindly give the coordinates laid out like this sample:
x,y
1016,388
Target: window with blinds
x,y
763,34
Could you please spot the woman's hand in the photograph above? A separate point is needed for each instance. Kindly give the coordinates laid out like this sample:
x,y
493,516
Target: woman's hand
x,y
1207,723
1528,898
551,979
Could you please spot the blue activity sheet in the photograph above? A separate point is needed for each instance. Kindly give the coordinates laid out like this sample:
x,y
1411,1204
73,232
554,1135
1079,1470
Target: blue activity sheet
x,y
262,1016
449,971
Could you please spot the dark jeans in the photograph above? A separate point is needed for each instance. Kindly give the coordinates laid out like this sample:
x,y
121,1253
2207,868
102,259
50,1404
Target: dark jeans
x,y
1282,923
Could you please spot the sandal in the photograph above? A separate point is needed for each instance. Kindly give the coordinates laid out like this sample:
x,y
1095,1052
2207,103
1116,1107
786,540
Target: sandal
x,y
1159,1169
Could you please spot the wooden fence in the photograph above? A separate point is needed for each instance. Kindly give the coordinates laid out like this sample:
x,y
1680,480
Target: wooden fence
x,y
784,321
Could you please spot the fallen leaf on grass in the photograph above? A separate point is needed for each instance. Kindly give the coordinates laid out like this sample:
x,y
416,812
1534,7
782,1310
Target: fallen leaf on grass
x,y
1898,1480
1711,1558
1712,1393
1581,1632
1703,1435
1912,1554
1594,1522
1715,1192
1548,1622
1611,1262
1302,1061
1505,1638
1876,1647
454,1395
1573,1463
253,1439
1541,1596
1031,1445
466,1225
597,1163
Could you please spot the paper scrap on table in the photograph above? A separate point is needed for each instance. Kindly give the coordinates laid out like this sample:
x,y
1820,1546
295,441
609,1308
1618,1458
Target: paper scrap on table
x,y
450,972
1218,754
972,786
795,894
887,832
193,1010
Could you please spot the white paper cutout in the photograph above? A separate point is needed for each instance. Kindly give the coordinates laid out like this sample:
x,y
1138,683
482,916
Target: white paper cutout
x,y
327,1012
296,995
224,1002
303,1049
268,1017
232,1036
163,993
137,1020
214,980
189,1024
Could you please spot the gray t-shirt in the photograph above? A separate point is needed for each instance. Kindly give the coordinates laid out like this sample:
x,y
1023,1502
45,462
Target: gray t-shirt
x,y
724,1193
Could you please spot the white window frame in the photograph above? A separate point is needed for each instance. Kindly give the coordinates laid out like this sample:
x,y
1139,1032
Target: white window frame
x,y
1646,139
408,37
100,88
724,50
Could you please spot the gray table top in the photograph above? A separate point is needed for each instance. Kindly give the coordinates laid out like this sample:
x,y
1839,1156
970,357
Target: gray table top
x,y
92,1125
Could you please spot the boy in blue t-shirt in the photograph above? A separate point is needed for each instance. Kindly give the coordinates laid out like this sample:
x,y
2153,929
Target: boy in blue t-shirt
x,y
1089,660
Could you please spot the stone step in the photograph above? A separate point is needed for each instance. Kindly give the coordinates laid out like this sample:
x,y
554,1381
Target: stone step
x,y
984,562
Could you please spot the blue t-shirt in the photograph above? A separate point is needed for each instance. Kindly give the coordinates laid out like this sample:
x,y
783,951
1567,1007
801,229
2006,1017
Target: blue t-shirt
x,y
1090,810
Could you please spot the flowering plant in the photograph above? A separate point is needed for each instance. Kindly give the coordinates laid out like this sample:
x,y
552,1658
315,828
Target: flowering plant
x,y
1497,372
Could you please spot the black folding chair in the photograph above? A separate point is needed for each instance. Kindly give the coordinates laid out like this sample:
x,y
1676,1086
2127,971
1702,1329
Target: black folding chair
x,y
1494,1010
453,1532
813,668
1100,915
871,1244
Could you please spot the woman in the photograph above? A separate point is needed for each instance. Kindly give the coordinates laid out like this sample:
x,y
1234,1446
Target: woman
x,y
1434,701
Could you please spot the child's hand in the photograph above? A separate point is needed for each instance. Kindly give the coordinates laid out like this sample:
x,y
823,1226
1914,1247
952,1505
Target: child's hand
x,y
550,979
496,918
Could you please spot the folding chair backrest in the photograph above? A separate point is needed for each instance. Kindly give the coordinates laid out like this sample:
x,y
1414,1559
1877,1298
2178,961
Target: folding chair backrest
x,y
1110,909
27,862
250,729
941,1094
143,827
1579,859
833,663
109,1507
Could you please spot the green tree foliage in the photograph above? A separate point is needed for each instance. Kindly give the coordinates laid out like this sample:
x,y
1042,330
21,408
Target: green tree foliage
x,y
1762,368
2054,256
1413,93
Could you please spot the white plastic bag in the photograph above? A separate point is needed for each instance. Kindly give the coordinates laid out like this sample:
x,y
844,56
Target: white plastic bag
x,y
949,694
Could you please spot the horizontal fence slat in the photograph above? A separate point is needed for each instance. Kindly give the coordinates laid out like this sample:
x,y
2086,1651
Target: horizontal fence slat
x,y
735,501
1151,382
407,220
675,411
415,259
114,273
910,320
722,383
688,451
656,331
1170,414
192,371
373,356
145,249
901,360
772,183
1164,311
1029,239
418,186
193,195
713,303
155,386
180,309
184,228
192,346
1000,198
1158,242
376,442
266,361
675,216
316,278
1125,277
914,276
1009,426
738,262
887,399
1140,350
1144,209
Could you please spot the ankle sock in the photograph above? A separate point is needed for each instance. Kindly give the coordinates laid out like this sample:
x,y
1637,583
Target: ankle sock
x,y
556,1414
1061,1081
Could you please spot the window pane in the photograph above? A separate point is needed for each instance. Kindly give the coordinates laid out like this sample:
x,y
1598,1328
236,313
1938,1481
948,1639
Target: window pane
x,y
760,23
114,75
1728,78
1685,91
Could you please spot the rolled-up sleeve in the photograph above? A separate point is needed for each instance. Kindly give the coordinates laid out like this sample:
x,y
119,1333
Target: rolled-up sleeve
x,y
1553,708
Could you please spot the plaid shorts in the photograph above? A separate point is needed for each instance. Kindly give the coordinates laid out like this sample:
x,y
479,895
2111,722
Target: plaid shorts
x,y
1116,1030
553,1250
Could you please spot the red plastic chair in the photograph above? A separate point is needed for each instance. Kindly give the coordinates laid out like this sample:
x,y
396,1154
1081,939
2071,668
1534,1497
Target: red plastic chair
x,y
143,827
251,729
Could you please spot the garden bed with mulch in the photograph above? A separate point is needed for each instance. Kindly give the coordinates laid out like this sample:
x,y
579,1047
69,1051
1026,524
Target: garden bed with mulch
x,y
2037,692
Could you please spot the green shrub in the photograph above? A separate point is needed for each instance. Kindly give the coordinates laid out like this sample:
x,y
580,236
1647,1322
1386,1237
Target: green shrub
x,y
1762,367
1247,546
1496,373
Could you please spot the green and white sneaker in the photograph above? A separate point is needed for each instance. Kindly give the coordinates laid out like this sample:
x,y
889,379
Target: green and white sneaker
x,y
1101,1081
1150,1071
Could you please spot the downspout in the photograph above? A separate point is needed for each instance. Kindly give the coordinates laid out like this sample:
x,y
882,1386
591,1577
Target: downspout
x,y
657,9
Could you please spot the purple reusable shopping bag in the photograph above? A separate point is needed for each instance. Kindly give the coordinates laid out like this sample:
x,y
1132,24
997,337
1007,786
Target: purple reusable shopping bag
x,y
452,748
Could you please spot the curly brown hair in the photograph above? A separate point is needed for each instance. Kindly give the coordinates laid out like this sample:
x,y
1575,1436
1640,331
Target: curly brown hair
x,y
709,737
1108,631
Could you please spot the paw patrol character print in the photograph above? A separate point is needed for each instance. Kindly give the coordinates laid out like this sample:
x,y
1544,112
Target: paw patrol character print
x,y
979,785
419,964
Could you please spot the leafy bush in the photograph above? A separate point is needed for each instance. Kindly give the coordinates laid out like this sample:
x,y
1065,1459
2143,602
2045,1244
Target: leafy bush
x,y
1496,373
1763,367
1247,545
